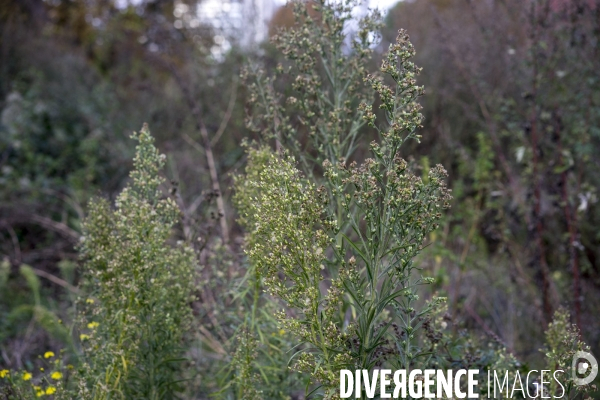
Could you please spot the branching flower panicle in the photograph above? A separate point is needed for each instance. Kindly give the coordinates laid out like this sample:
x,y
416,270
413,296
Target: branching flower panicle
x,y
142,286
324,66
350,243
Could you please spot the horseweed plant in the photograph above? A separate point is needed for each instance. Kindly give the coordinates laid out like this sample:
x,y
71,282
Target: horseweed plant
x,y
325,67
338,251
139,289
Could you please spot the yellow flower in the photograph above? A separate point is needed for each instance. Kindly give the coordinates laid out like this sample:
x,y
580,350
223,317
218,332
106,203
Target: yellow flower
x,y
56,375
83,337
93,325
42,369
50,390
69,366
90,301
281,332
39,392
48,354
26,376
4,373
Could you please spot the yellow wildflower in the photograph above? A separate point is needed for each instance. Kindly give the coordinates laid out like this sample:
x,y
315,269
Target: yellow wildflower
x,y
26,376
39,392
56,375
50,390
4,373
48,354
42,369
83,337
281,332
93,325
69,366
89,301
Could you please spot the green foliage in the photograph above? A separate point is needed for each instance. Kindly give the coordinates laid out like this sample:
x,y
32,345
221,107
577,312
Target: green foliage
x,y
139,287
338,271
246,381
49,381
341,255
258,360
563,340
286,246
23,309
514,118
4,272
318,118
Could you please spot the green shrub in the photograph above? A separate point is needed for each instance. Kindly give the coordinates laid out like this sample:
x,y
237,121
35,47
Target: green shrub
x,y
139,289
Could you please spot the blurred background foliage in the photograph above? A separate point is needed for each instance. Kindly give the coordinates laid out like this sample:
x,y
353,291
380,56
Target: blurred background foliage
x,y
512,110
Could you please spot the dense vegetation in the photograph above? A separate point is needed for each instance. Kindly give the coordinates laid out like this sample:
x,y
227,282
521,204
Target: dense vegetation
x,y
322,203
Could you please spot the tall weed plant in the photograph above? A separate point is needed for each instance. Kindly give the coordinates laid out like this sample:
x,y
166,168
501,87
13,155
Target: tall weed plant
x,y
139,286
334,241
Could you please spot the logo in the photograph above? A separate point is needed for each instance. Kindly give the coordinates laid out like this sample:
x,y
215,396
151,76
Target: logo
x,y
580,367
